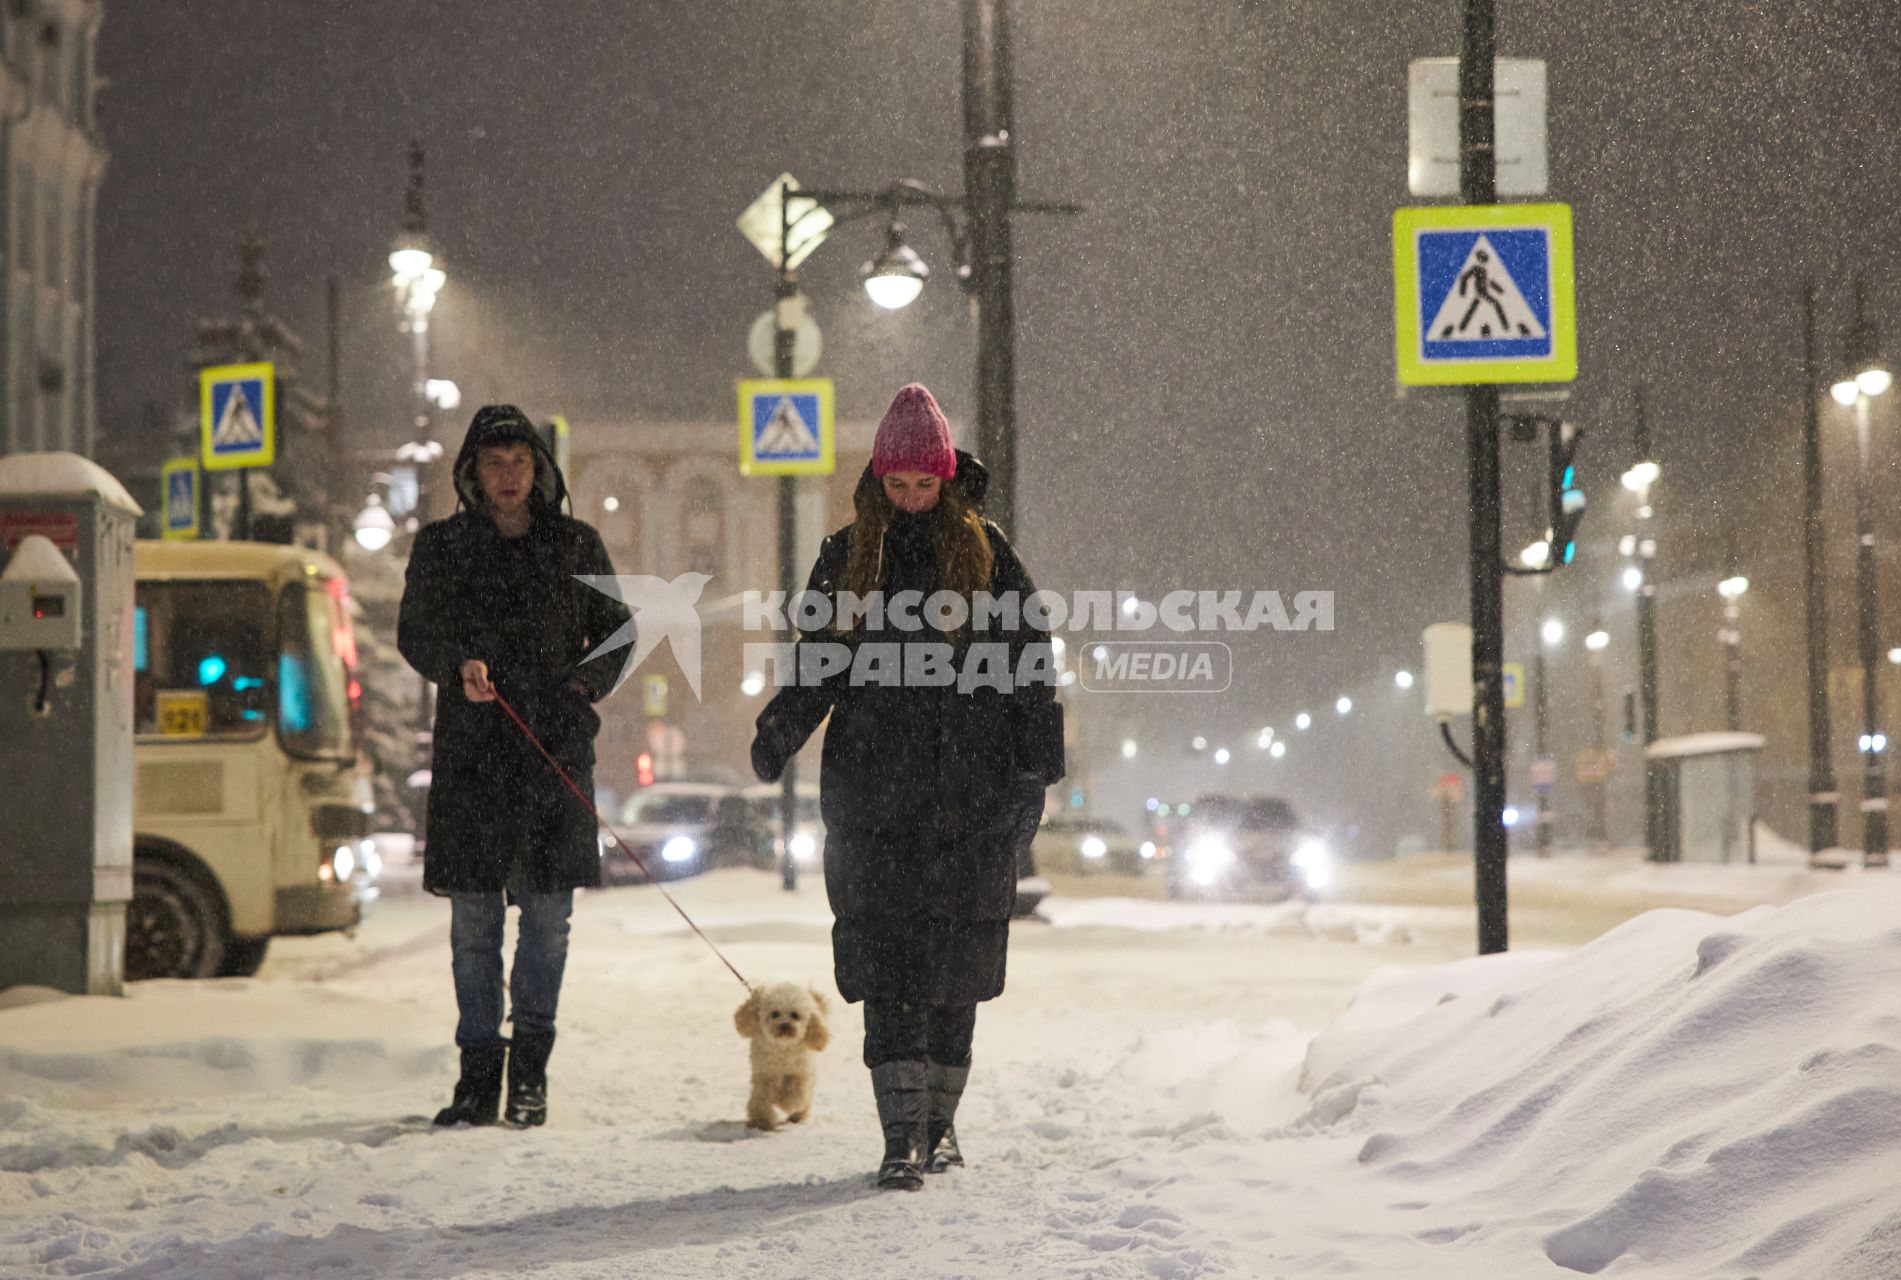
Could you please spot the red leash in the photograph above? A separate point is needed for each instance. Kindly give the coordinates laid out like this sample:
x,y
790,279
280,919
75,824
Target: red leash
x,y
617,839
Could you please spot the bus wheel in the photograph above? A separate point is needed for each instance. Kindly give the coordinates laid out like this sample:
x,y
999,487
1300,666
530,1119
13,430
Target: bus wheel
x,y
174,927
243,957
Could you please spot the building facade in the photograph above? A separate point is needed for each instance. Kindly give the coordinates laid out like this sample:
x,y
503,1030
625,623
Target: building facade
x,y
52,159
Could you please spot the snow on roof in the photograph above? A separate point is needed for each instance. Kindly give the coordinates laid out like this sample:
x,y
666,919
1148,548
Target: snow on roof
x,y
1703,744
62,475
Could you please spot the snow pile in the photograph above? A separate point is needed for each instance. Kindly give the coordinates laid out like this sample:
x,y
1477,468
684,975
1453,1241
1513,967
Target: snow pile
x,y
1340,922
1685,1096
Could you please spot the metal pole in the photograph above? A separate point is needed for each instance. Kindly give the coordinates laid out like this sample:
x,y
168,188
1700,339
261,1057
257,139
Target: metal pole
x,y
1600,800
1824,799
1732,665
1874,779
1656,835
783,337
990,190
337,515
1540,745
1478,175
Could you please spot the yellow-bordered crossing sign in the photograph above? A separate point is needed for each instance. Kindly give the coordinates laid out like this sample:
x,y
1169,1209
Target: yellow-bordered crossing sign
x,y
785,427
1484,294
237,416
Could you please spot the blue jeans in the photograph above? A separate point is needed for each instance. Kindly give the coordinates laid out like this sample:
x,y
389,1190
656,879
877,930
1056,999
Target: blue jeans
x,y
541,954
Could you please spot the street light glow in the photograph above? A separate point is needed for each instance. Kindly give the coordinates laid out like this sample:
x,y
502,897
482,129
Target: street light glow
x,y
1597,640
895,278
409,262
1633,578
1403,679
1343,706
1221,756
1894,656
1128,748
1303,720
1732,587
1642,475
1874,381
753,685
373,527
1277,749
1627,545
1846,392
1536,555
1552,631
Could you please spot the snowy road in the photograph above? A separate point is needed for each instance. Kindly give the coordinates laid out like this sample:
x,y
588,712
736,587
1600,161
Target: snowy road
x,y
1136,1109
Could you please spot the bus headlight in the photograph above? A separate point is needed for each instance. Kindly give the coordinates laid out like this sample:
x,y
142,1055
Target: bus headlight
x,y
343,862
679,849
1093,847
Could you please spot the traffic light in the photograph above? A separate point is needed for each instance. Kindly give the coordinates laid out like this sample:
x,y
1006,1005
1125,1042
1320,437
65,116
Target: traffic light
x,y
1566,494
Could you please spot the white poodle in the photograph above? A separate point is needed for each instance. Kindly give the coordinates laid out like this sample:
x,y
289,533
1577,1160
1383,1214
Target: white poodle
x,y
786,1024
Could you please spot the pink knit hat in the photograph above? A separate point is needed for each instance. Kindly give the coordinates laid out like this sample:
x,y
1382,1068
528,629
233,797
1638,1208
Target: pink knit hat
x,y
913,436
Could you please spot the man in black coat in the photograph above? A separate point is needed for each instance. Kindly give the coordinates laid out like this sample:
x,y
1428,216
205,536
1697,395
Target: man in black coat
x,y
491,605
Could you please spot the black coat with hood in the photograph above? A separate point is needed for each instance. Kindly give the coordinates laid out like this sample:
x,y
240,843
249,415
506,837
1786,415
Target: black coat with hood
x,y
499,817
924,789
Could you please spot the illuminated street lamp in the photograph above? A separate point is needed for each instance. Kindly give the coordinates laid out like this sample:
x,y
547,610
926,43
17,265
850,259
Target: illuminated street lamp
x,y
896,277
373,526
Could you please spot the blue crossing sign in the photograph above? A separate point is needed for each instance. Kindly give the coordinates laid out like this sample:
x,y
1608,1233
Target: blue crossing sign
x,y
237,415
180,476
785,427
1484,294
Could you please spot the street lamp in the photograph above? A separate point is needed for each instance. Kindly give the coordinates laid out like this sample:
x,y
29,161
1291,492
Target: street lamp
x,y
896,277
1552,632
373,526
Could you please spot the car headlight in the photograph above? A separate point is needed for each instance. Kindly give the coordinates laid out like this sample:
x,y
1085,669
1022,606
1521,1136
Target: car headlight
x,y
679,849
371,859
1209,855
1148,849
1093,847
803,845
1314,861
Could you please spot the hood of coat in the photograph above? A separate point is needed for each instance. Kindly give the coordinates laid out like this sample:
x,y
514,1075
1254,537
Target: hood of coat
x,y
505,424
972,479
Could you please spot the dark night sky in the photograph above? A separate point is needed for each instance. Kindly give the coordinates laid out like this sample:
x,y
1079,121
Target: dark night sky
x,y
1205,384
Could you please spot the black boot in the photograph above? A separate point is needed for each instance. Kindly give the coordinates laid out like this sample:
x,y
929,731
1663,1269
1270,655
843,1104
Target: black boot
x,y
940,1138
528,1077
903,1092
478,1094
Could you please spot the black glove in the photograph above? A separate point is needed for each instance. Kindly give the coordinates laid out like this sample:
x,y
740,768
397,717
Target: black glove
x,y
768,762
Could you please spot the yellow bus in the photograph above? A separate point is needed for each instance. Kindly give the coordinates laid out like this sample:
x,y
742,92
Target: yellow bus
x,y
251,805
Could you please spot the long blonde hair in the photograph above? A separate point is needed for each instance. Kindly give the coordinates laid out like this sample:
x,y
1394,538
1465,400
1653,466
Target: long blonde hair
x,y
961,548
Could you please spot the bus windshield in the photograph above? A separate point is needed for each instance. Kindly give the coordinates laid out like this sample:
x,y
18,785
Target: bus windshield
x,y
201,659
317,689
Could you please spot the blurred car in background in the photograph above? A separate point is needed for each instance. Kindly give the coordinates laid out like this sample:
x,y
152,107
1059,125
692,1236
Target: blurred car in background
x,y
1249,848
763,803
1074,844
670,826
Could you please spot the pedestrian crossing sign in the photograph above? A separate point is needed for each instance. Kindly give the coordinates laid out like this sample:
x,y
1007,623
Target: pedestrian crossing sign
x,y
237,414
1484,294
181,498
785,427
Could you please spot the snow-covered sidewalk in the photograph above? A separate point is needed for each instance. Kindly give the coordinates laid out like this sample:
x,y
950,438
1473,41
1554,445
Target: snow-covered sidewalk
x,y
1685,1096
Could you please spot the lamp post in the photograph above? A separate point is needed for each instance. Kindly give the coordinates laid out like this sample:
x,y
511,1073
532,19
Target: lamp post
x,y
1733,586
1864,377
1642,473
1595,642
1544,771
1824,799
417,276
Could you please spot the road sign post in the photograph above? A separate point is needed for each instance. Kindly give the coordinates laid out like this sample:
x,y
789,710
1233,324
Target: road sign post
x,y
237,425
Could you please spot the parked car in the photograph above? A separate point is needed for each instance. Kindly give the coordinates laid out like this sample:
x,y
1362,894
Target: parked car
x,y
670,827
1074,844
1246,847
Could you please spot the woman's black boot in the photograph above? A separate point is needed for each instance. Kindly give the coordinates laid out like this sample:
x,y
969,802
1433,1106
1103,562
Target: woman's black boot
x,y
902,1089
940,1139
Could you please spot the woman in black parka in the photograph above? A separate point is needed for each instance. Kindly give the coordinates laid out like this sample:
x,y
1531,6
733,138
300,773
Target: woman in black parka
x,y
490,604
925,787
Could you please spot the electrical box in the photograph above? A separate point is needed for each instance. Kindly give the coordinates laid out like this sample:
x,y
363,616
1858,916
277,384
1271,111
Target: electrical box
x,y
1448,669
39,598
